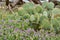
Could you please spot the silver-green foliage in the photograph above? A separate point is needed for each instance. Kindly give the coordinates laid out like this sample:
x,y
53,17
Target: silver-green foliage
x,y
48,5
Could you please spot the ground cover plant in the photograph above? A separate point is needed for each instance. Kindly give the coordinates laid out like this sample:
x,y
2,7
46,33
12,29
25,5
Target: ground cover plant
x,y
31,22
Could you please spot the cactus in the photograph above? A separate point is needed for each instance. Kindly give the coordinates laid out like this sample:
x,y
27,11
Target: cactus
x,y
26,16
56,24
32,18
56,12
48,5
45,13
45,24
44,4
28,6
21,12
39,8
